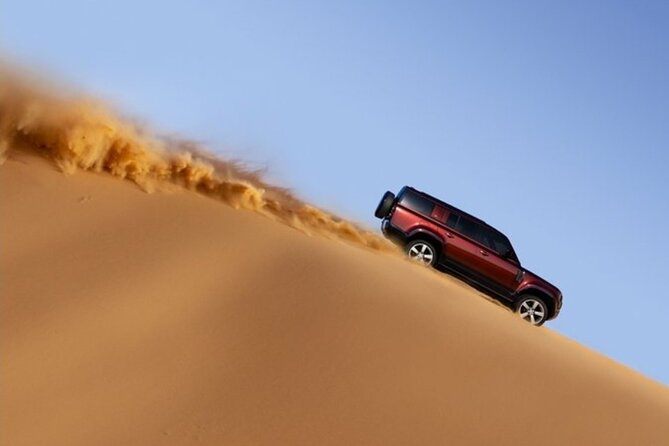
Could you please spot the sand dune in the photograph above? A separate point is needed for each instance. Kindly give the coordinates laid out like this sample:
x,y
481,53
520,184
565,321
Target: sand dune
x,y
129,318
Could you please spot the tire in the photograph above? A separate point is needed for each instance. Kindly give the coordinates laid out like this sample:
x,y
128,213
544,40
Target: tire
x,y
533,310
385,205
422,252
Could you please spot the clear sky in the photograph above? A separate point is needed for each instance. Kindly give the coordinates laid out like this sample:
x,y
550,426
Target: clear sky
x,y
549,120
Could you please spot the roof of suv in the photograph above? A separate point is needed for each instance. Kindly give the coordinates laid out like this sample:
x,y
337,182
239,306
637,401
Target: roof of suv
x,y
451,207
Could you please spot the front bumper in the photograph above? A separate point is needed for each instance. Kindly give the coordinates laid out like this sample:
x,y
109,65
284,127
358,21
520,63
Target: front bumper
x,y
558,306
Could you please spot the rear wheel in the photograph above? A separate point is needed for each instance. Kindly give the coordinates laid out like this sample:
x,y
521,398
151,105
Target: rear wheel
x,y
422,252
385,205
533,310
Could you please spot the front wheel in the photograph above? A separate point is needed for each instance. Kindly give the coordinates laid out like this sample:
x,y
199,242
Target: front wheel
x,y
533,310
422,252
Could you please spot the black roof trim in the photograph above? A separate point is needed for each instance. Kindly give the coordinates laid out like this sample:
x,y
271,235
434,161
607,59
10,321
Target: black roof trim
x,y
453,208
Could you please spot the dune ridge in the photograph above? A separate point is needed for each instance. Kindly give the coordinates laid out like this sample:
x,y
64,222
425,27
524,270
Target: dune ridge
x,y
81,133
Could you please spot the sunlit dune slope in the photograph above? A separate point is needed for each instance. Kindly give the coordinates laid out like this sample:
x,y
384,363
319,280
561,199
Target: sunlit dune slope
x,y
129,318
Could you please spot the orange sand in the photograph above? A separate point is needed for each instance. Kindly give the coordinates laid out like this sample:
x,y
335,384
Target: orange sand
x,y
129,318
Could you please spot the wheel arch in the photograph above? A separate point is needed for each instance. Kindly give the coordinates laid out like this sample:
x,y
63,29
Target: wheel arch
x,y
428,236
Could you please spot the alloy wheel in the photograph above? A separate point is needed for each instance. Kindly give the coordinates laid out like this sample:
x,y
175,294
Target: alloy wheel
x,y
422,253
533,311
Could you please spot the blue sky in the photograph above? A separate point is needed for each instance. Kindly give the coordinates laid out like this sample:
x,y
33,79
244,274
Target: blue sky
x,y
547,119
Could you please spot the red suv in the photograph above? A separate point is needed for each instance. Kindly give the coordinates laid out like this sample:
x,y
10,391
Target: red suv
x,y
440,235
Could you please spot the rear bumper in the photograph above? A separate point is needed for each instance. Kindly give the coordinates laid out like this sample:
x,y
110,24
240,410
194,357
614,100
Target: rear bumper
x,y
392,233
385,226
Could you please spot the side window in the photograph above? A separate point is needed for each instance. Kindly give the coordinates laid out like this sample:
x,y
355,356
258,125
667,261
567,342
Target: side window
x,y
417,203
487,238
439,214
468,228
475,231
452,220
500,244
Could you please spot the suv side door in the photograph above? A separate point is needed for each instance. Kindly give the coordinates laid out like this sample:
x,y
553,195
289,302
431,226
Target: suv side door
x,y
469,251
461,251
496,264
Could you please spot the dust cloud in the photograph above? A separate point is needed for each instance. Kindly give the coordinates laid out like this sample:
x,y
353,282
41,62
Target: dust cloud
x,y
77,132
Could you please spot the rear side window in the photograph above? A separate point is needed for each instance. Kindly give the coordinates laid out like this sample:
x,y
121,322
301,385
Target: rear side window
x,y
417,203
470,229
439,214
452,220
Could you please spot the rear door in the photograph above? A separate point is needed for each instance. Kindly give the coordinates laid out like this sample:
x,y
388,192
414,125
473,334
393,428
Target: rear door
x,y
462,252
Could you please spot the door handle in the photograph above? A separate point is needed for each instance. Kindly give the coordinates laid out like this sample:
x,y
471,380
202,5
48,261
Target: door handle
x,y
449,235
484,253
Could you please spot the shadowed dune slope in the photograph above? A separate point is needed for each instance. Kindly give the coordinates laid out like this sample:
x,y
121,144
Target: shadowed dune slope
x,y
129,318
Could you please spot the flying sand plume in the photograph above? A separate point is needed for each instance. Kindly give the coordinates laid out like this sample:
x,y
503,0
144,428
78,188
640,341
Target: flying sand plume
x,y
80,133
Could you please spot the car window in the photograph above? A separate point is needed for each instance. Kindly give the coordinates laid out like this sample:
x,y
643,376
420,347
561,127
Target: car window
x,y
476,231
488,238
452,220
469,229
502,246
439,214
499,243
417,203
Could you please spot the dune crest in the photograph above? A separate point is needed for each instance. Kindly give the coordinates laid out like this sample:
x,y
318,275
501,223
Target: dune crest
x,y
79,133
